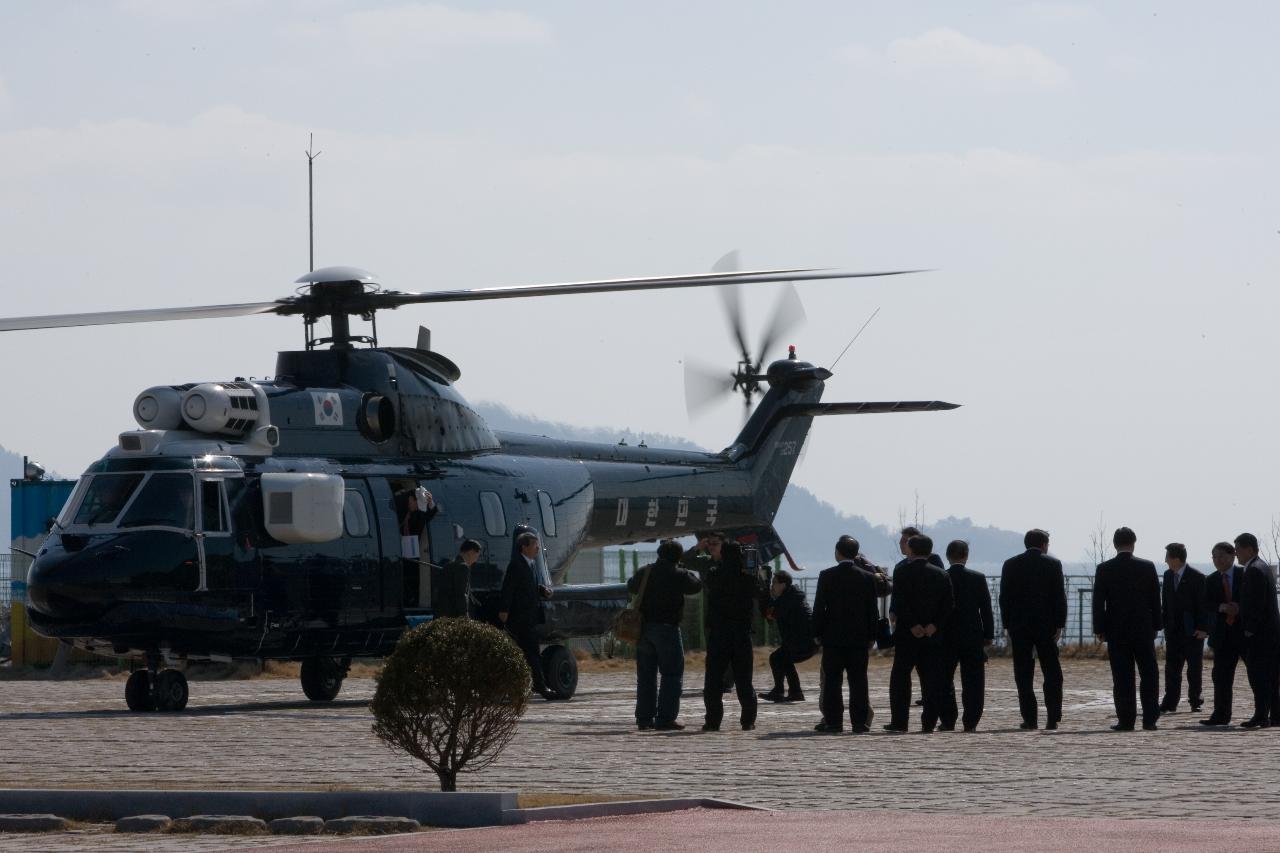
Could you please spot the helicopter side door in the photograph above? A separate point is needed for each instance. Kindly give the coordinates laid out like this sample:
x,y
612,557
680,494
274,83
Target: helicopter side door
x,y
225,564
360,547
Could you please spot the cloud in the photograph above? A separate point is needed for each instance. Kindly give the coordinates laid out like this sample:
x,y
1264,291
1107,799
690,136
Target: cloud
x,y
952,61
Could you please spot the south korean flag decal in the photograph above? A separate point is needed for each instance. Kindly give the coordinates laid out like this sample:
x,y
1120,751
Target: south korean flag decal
x,y
328,408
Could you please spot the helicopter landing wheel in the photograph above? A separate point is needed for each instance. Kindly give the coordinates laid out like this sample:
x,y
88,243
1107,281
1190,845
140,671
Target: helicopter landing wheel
x,y
137,691
560,669
170,691
322,678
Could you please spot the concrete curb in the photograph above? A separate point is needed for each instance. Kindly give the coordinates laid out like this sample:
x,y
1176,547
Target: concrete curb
x,y
433,808
624,808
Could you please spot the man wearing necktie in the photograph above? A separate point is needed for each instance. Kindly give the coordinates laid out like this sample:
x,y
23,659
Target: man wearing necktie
x,y
1260,618
1186,625
520,606
1226,635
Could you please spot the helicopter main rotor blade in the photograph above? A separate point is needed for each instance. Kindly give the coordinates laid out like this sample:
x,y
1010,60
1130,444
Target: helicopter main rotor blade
x,y
788,313
394,299
141,315
704,386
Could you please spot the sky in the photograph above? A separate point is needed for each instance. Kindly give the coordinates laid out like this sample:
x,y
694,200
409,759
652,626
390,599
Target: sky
x,y
1093,186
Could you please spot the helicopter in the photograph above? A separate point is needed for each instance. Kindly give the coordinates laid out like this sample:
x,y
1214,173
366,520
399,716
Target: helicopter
x,y
259,519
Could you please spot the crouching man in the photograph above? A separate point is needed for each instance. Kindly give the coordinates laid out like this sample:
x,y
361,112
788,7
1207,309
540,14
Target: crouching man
x,y
790,612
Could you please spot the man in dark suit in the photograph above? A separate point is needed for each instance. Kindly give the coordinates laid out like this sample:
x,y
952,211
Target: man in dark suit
x,y
1260,619
969,631
1126,616
1033,606
453,598
844,623
520,605
1226,636
922,603
1186,624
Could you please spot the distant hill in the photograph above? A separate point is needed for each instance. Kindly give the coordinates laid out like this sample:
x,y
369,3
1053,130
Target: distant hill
x,y
808,525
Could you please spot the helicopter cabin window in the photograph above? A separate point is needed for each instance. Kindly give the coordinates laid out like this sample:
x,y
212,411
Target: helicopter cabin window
x,y
548,513
355,515
105,497
495,520
166,500
213,514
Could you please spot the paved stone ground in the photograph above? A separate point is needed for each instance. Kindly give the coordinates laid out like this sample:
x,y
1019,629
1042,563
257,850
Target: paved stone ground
x,y
262,734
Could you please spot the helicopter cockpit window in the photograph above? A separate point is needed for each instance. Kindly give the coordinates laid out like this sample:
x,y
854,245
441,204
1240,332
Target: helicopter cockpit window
x,y
548,513
495,520
355,515
167,500
105,496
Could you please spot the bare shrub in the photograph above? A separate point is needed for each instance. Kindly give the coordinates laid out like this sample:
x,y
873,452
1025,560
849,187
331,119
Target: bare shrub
x,y
451,695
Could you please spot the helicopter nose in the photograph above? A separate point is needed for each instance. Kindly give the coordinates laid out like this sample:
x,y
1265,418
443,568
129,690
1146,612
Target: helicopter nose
x,y
54,591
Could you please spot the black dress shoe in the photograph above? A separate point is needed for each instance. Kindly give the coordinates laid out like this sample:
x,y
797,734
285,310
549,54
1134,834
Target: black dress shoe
x,y
1214,721
947,727
1195,709
1051,726
793,697
1121,727
1149,727
1255,723
707,727
859,730
1025,726
772,696
829,729
890,727
746,727
644,727
672,726
1168,709
970,728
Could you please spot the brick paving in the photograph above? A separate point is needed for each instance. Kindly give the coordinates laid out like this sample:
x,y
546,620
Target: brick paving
x,y
261,734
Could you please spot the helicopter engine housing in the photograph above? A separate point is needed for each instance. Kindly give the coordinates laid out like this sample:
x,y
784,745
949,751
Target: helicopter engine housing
x,y
226,408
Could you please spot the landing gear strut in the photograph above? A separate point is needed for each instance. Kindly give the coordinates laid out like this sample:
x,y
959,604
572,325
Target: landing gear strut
x,y
152,690
322,677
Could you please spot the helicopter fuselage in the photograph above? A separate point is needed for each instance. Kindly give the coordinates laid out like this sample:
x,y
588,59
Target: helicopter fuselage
x,y
171,546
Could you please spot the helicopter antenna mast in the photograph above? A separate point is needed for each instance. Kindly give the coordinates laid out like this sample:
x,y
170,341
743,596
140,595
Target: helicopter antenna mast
x,y
311,214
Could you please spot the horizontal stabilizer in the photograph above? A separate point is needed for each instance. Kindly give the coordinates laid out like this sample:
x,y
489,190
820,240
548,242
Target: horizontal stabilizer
x,y
796,410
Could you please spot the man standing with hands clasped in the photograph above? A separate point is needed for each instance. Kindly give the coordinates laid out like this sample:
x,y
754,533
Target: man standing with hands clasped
x,y
1186,624
922,602
1126,616
1222,595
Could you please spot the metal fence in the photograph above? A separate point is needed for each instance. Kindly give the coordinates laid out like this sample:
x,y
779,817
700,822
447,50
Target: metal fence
x,y
6,576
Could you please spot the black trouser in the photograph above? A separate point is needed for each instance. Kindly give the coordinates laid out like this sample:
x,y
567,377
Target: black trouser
x,y
971,658
1260,661
728,647
924,656
783,664
1180,651
837,662
527,640
1027,648
1226,655
1128,655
